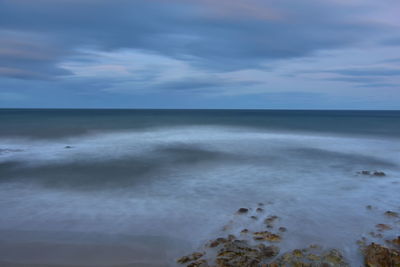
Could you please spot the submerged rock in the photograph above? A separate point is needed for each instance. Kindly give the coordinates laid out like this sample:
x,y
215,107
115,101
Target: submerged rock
x,y
282,229
67,147
391,214
378,255
383,227
270,221
378,173
242,210
266,236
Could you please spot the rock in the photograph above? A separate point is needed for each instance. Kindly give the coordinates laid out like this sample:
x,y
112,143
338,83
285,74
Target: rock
x,y
199,263
299,258
67,147
282,229
334,257
369,207
266,236
270,221
242,210
192,257
391,214
364,172
395,242
240,253
260,204
378,255
259,209
373,234
244,231
254,217
378,173
383,227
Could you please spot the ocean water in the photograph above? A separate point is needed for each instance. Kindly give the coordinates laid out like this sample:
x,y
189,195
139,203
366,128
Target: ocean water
x,y
147,186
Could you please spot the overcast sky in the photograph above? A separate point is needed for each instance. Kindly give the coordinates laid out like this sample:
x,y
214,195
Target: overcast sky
x,y
286,54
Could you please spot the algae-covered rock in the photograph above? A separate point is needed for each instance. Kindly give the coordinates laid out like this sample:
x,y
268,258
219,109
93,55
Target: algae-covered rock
x,y
266,236
192,257
391,214
380,256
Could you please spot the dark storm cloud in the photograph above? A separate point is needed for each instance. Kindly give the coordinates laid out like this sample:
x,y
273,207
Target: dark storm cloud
x,y
212,35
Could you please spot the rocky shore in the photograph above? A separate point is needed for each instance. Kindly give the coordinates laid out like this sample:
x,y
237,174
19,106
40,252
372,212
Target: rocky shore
x,y
261,248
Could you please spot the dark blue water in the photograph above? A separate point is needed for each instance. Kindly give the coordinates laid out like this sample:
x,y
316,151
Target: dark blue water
x,y
50,123
149,185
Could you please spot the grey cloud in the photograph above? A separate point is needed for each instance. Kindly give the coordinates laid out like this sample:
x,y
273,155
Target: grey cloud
x,y
185,30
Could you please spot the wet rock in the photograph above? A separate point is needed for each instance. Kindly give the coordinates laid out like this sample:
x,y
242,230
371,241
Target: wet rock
x,y
259,209
267,236
192,257
300,258
254,217
369,207
378,173
242,210
244,231
383,227
282,229
373,234
67,147
378,255
240,253
199,263
395,242
270,221
260,204
391,214
334,257
364,172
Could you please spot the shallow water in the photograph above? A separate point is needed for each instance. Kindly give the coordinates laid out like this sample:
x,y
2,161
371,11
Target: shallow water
x,y
180,177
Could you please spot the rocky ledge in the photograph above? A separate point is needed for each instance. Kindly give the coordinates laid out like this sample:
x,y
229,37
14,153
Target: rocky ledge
x,y
260,249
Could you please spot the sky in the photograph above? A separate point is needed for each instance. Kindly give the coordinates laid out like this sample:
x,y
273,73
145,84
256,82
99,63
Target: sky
x,y
245,54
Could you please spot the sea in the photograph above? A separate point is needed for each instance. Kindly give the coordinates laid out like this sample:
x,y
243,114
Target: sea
x,y
127,187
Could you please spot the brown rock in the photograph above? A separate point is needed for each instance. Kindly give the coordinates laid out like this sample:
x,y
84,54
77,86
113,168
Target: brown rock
x,y
391,214
380,256
266,236
383,227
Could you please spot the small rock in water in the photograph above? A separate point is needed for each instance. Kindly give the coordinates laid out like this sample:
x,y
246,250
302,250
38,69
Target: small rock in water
x,y
364,172
379,173
254,217
66,147
282,229
242,210
244,231
259,209
391,214
369,207
383,227
260,204
266,236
